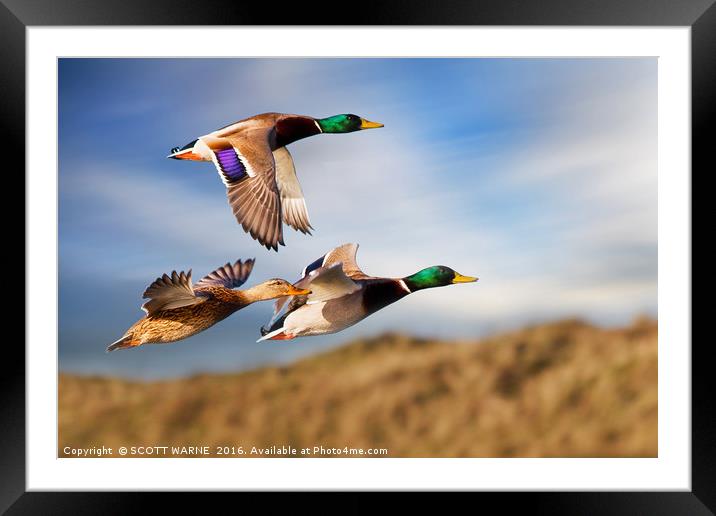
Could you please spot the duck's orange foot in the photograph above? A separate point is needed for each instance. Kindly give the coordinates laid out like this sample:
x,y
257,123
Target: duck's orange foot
x,y
282,336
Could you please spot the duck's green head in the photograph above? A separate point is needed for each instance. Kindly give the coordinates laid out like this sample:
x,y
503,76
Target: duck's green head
x,y
436,276
345,124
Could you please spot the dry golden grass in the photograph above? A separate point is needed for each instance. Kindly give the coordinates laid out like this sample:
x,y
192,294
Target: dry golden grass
x,y
566,389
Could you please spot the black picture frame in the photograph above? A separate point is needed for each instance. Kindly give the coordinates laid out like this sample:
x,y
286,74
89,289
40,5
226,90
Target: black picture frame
x,y
700,15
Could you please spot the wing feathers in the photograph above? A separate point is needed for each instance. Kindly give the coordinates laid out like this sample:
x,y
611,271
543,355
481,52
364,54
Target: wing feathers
x,y
255,204
262,186
229,276
168,292
293,204
326,283
254,198
346,254
330,283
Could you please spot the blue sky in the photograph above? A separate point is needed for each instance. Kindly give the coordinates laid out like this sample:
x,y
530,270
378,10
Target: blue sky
x,y
537,175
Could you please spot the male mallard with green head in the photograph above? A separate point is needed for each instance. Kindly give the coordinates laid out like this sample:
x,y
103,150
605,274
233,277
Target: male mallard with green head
x,y
258,171
342,295
177,310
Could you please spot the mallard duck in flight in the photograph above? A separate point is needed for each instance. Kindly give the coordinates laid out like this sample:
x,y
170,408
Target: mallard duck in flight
x,y
258,171
342,295
177,310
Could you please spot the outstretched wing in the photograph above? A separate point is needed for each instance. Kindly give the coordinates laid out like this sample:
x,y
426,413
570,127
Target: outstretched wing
x,y
246,165
293,205
329,283
346,255
255,199
326,283
229,276
170,292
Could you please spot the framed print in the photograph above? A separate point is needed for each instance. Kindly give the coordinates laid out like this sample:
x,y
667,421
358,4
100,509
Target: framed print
x,y
518,316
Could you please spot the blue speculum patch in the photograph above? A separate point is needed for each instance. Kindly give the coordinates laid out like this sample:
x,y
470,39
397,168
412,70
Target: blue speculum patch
x,y
230,164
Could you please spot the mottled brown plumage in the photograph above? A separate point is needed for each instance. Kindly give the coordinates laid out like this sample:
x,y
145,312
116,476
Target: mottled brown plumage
x,y
176,310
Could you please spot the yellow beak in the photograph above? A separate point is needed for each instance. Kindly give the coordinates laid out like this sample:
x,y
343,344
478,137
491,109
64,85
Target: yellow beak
x,y
367,124
459,278
298,292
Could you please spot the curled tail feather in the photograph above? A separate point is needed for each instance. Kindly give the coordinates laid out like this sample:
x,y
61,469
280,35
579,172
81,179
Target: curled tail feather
x,y
125,342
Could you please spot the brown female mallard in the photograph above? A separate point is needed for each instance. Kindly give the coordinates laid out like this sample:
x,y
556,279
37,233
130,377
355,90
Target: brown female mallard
x,y
258,171
177,310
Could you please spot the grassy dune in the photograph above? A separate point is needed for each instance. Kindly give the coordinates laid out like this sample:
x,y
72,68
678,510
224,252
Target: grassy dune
x,y
566,389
